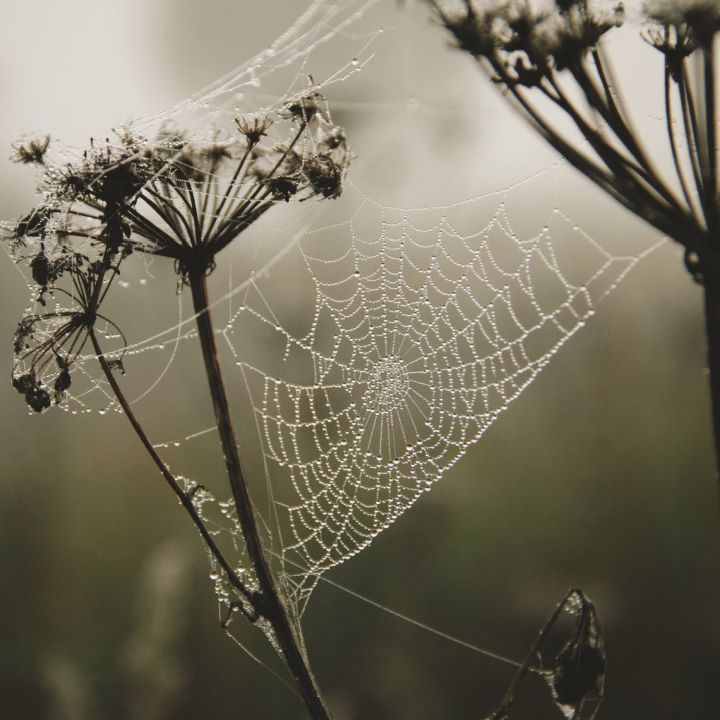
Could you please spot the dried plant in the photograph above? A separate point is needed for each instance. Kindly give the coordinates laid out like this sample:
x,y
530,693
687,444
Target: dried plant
x,y
550,56
577,676
186,201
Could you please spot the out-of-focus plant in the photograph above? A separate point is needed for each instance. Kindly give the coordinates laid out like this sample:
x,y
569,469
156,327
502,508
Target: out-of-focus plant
x,y
186,201
550,59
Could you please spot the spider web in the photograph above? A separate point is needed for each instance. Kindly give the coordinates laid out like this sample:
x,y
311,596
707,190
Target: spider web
x,y
376,343
422,334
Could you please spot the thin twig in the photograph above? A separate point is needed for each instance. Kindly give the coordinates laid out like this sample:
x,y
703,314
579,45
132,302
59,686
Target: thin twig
x,y
170,478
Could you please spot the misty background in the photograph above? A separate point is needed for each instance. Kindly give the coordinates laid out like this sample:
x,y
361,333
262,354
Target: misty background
x,y
601,476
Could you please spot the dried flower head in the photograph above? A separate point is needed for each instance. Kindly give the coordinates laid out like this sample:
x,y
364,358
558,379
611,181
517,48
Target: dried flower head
x,y
527,39
307,106
324,175
699,18
170,197
675,42
187,200
253,129
47,343
30,150
282,187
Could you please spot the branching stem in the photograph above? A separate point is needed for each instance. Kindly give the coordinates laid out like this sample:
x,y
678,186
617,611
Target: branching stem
x,y
167,475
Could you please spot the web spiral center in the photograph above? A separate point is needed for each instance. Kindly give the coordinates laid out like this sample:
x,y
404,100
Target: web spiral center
x,y
388,385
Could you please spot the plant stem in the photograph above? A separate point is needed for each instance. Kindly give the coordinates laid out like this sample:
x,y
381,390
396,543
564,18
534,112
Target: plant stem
x,y
270,604
711,119
712,329
167,475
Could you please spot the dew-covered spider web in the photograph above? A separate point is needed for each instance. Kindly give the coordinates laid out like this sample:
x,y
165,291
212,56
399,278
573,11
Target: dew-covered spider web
x,y
369,341
422,332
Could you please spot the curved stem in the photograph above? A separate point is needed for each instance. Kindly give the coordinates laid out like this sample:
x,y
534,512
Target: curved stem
x,y
710,137
270,605
691,130
696,213
167,475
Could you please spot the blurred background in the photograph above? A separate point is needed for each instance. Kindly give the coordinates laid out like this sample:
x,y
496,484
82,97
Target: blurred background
x,y
600,476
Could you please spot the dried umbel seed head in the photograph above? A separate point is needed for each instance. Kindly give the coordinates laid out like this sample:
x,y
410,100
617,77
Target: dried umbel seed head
x,y
308,106
172,197
253,128
48,342
568,34
325,176
36,395
548,54
527,39
283,187
107,175
698,18
181,198
675,42
30,150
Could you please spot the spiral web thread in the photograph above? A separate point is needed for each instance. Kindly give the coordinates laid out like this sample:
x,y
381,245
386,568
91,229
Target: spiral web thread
x,y
424,324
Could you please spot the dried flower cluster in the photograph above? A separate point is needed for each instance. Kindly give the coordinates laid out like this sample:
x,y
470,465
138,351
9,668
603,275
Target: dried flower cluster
x,y
549,55
169,197
696,20
529,39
